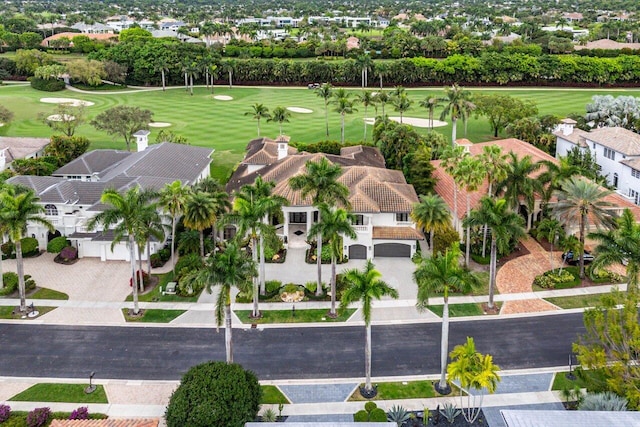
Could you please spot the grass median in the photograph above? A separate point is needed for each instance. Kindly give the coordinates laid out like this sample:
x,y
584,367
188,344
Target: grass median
x,y
69,393
290,316
151,315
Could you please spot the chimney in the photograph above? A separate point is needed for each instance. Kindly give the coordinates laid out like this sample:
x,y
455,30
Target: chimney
x,y
142,139
566,126
283,146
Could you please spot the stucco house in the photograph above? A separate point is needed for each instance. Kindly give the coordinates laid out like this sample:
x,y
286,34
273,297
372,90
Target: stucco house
x,y
71,197
380,198
615,149
12,148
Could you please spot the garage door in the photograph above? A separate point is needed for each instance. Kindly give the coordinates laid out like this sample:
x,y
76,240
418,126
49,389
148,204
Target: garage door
x,y
395,250
357,252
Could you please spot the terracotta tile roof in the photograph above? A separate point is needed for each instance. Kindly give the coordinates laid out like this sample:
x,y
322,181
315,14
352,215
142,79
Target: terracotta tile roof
x,y
617,138
607,44
264,151
397,233
111,422
70,36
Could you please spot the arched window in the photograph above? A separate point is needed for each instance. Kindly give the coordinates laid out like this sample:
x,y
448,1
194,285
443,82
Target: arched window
x,y
51,210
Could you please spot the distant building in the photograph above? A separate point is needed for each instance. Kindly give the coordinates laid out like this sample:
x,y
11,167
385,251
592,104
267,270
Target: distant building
x,y
95,28
607,44
12,148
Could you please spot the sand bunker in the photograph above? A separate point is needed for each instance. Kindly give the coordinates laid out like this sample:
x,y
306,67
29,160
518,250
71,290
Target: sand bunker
x,y
159,124
300,110
60,118
223,97
413,121
70,101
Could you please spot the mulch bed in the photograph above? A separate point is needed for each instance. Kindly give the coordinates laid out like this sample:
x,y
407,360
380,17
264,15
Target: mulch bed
x,y
441,421
519,251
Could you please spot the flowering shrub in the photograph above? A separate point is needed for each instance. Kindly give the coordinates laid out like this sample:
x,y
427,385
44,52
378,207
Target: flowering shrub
x,y
5,413
38,417
82,413
145,278
68,253
550,279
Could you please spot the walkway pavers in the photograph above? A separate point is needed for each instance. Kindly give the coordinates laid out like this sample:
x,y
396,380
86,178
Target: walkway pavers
x,y
524,383
317,393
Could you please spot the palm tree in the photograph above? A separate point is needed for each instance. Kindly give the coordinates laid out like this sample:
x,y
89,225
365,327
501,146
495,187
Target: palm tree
x,y
471,173
17,210
450,157
439,274
555,173
455,100
344,106
552,230
280,115
620,246
227,269
504,225
431,214
496,167
366,99
334,224
251,205
383,99
125,214
364,286
173,198
519,182
364,62
325,91
431,103
200,214
321,183
579,201
401,104
220,197
259,111
229,66
161,64
150,226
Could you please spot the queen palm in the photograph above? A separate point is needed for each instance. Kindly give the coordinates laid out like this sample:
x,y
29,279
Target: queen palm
x,y
365,286
579,201
471,173
504,224
173,198
125,214
401,103
200,214
280,115
431,214
366,99
621,245
227,269
325,91
258,112
333,224
344,106
439,274
455,102
321,183
17,210
431,103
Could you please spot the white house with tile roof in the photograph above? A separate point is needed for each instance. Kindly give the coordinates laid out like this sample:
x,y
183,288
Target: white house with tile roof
x,y
71,197
380,198
615,149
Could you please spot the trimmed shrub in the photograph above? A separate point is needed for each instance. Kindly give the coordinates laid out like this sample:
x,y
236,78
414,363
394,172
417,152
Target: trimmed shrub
x,y
603,276
370,406
361,416
57,244
68,253
552,278
82,413
165,254
29,246
29,283
10,281
378,416
156,260
7,249
38,417
214,394
5,413
52,85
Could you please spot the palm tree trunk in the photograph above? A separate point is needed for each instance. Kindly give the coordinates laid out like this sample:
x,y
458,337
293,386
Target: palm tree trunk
x,y
453,131
263,287
326,116
163,80
228,331
367,357
380,81
455,205
444,342
492,273
280,128
583,221
230,79
485,228
254,255
149,257
332,313
20,267
202,243
141,282
431,119
431,241
365,125
191,84
173,242
1,273
319,260
186,82
258,127
134,283
342,130
467,251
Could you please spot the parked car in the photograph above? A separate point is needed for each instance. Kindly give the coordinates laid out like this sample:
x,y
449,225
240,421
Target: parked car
x,y
569,258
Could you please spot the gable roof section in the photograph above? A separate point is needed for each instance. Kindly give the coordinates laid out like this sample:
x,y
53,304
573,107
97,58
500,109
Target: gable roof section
x,y
96,161
576,137
19,148
617,138
264,151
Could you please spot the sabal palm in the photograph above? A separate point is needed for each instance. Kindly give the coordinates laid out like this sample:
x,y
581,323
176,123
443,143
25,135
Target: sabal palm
x,y
401,103
455,100
619,246
519,182
17,210
366,99
325,91
125,215
579,201
227,269
504,225
471,173
258,112
333,224
200,214
431,103
173,198
365,286
251,205
321,183
280,115
344,106
431,214
439,274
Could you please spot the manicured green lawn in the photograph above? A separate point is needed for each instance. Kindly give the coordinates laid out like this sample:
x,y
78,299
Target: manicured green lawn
x,y
153,315
155,296
560,382
577,301
71,393
6,312
287,316
46,293
272,395
403,390
460,310
222,125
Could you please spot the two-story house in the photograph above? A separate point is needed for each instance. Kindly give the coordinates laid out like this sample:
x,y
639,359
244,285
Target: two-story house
x,y
380,198
615,149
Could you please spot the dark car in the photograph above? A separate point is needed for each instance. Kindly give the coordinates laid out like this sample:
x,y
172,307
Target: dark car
x,y
569,258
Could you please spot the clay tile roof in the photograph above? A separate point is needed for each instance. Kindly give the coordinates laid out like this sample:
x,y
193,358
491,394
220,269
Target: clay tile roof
x,y
111,422
397,233
607,45
617,138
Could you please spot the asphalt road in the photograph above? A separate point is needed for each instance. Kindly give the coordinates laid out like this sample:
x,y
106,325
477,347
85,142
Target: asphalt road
x,y
154,353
